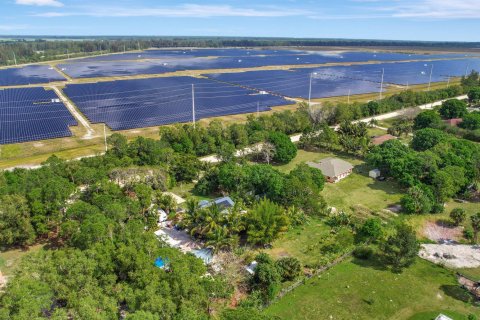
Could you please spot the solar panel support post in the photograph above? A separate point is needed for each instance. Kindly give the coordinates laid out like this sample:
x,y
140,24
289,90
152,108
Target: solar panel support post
x,y
193,105
105,137
430,79
381,84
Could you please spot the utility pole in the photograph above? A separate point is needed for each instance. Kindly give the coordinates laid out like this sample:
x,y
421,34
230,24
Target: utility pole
x,y
381,84
448,82
14,57
138,44
258,108
105,137
348,97
430,80
68,55
193,105
310,90
124,48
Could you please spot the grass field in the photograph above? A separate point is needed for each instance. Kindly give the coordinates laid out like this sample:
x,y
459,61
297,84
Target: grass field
x,y
9,259
357,189
363,290
298,242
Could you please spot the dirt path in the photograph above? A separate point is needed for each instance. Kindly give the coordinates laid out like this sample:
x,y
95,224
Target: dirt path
x,y
78,116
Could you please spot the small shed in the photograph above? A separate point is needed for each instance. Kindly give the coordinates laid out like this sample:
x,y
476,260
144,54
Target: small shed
x,y
375,173
441,316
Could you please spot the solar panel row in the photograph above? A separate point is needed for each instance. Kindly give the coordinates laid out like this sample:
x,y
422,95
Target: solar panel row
x,y
331,56
148,102
30,114
29,75
165,64
342,80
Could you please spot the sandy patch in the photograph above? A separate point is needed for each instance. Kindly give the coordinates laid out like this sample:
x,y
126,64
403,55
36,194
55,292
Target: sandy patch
x,y
437,231
452,255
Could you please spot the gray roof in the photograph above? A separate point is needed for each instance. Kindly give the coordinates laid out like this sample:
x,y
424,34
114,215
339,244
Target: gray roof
x,y
332,167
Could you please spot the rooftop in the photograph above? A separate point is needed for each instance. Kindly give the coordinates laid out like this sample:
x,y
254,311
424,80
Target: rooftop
x,y
381,139
332,167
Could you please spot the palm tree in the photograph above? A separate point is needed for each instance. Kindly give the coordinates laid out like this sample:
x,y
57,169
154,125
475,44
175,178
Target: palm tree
x,y
219,239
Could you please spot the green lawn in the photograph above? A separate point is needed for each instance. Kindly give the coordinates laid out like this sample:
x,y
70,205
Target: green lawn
x,y
362,290
356,189
301,242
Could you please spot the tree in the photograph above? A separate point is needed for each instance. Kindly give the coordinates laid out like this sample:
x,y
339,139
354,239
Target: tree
x,y
471,121
419,199
267,151
401,248
474,95
226,152
475,219
265,221
285,149
371,230
427,138
453,108
289,268
266,279
458,216
427,119
15,224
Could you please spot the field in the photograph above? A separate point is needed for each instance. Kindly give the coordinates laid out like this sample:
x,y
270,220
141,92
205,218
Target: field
x,y
10,259
363,290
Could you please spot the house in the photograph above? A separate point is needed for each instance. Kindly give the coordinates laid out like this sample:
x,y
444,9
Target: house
x,y
378,140
453,122
442,317
223,203
333,169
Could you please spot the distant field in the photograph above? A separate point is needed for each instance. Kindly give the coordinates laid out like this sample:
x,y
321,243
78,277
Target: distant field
x,y
363,290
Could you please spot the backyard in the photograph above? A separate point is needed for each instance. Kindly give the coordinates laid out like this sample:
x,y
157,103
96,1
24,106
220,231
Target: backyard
x,y
363,290
356,189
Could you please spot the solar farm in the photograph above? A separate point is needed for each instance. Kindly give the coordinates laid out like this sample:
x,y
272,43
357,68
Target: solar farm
x,y
159,87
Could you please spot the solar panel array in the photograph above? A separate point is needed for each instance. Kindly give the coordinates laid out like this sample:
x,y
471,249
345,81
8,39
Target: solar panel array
x,y
141,103
29,75
171,61
30,114
342,80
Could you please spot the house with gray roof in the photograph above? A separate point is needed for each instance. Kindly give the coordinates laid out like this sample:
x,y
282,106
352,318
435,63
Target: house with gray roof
x,y
223,203
334,169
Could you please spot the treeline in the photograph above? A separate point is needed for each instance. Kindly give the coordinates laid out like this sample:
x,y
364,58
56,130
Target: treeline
x,y
215,137
340,112
44,49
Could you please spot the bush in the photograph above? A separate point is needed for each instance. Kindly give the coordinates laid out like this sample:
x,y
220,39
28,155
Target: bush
x,y
289,268
453,108
363,252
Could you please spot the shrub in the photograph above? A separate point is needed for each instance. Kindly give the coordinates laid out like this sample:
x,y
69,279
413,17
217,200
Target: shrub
x,y
289,268
285,149
363,252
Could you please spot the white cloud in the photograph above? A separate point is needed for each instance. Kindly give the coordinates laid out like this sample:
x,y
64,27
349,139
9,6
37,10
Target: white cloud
x,y
11,27
48,3
185,11
438,9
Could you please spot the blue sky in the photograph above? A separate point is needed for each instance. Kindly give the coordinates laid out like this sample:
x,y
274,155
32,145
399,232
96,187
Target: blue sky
x,y
455,20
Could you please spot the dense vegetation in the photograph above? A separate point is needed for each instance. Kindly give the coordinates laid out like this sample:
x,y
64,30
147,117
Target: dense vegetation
x,y
32,49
